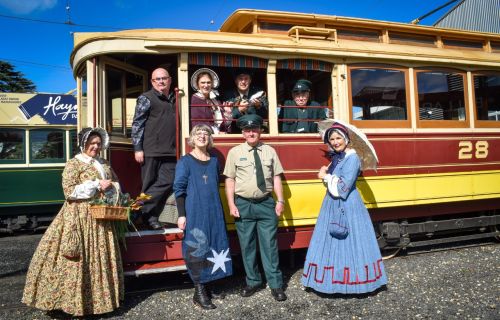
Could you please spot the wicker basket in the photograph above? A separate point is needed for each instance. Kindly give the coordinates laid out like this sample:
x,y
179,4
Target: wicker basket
x,y
108,212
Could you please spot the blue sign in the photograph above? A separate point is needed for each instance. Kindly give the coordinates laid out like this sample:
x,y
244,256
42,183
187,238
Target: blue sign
x,y
53,108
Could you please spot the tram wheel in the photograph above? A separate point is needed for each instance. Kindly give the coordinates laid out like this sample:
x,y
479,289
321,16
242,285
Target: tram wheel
x,y
389,253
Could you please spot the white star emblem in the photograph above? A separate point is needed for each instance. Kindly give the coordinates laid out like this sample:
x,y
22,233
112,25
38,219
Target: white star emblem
x,y
219,260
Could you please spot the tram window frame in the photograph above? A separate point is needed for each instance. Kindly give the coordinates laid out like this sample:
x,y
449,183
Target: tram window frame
x,y
226,76
73,143
380,123
482,123
427,123
285,81
22,144
126,104
47,160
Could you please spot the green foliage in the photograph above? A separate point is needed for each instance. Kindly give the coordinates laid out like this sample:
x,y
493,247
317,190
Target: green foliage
x,y
14,81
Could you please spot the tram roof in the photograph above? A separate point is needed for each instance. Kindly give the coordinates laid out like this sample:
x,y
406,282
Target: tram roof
x,y
242,31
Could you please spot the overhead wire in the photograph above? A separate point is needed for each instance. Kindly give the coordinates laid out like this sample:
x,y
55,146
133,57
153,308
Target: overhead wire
x,y
36,63
68,23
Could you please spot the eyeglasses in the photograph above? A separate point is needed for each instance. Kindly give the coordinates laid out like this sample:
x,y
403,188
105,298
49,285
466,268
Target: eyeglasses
x,y
202,134
161,79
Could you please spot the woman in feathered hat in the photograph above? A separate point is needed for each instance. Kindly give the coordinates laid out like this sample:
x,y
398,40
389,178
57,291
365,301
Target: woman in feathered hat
x,y
77,267
343,255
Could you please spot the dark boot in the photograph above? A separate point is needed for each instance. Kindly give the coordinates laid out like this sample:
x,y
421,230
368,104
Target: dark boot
x,y
201,297
215,293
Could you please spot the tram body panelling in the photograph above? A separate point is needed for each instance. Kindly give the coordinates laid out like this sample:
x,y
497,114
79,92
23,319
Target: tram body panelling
x,y
37,136
446,169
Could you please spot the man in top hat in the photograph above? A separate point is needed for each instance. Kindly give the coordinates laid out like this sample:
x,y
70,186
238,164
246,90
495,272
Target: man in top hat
x,y
304,118
253,170
245,98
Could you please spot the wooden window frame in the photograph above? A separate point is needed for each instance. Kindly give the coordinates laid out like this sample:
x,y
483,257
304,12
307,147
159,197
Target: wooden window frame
x,y
442,123
410,37
380,123
482,123
44,160
451,46
24,142
355,38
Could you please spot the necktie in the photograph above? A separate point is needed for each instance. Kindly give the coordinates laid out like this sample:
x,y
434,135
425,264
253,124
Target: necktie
x,y
259,174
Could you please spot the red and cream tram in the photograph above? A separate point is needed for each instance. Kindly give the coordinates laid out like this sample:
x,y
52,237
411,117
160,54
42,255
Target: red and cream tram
x,y
428,99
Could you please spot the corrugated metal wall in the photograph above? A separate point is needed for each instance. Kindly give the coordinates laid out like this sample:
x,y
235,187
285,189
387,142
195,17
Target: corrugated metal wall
x,y
475,15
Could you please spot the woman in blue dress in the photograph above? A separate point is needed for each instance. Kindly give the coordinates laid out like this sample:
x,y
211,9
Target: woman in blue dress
x,y
343,255
205,246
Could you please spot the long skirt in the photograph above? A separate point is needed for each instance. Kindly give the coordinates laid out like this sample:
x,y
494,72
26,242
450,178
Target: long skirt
x,y
91,284
349,266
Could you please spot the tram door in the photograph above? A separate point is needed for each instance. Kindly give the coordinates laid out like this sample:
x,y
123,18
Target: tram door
x,y
126,77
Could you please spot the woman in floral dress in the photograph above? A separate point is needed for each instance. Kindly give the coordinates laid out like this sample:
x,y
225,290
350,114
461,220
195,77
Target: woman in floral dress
x,y
77,266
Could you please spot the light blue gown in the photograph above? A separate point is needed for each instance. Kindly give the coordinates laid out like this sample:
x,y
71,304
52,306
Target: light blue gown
x,y
351,265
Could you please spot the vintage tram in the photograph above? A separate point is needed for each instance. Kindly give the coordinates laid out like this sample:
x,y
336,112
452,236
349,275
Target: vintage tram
x,y
37,137
428,99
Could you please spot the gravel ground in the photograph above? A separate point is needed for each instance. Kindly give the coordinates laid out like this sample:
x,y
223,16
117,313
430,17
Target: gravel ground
x,y
454,284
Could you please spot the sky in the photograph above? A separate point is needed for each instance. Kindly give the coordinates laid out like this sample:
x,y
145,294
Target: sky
x,y
41,51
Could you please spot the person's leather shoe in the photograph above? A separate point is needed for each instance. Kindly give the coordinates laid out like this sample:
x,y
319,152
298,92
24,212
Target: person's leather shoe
x,y
249,290
278,294
201,297
154,224
215,294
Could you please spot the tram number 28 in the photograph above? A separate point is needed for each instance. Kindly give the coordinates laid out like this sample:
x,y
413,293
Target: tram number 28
x,y
467,149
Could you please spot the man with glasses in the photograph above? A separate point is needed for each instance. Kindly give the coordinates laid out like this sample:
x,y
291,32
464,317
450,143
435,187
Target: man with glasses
x,y
253,170
304,118
153,138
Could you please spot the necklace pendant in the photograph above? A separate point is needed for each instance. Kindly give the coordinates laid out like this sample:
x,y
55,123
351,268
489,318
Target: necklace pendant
x,y
205,177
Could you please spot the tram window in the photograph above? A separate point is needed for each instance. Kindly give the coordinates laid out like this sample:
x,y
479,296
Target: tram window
x,y
82,104
412,39
487,96
358,34
441,95
202,110
47,145
122,89
462,44
495,46
378,94
114,99
12,146
315,94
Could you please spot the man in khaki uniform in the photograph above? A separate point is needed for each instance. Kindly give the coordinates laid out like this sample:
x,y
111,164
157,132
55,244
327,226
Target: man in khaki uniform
x,y
252,171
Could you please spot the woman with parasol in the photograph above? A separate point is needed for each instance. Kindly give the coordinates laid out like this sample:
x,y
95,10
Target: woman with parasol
x,y
343,255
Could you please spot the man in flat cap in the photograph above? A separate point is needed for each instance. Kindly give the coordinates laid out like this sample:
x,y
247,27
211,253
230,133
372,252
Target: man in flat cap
x,y
246,98
253,170
304,118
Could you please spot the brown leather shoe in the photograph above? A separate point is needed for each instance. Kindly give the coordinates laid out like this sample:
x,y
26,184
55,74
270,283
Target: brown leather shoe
x,y
278,294
249,291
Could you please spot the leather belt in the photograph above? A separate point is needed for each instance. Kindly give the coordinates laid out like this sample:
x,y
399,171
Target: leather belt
x,y
252,200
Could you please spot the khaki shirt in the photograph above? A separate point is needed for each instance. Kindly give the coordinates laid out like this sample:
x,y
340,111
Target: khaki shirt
x,y
240,166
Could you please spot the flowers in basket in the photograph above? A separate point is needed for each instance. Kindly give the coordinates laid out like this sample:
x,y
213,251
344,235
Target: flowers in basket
x,y
114,205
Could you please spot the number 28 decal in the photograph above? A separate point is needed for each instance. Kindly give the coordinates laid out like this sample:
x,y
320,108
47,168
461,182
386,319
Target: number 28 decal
x,y
468,150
